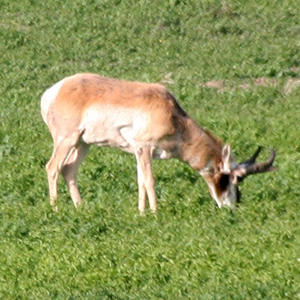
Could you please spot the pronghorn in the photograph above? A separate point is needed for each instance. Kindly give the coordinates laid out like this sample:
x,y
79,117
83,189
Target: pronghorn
x,y
140,118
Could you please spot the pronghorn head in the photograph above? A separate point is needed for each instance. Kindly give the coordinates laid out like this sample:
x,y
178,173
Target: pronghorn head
x,y
223,182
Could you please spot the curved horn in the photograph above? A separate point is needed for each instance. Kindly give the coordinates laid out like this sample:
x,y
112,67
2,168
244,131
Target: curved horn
x,y
251,160
249,166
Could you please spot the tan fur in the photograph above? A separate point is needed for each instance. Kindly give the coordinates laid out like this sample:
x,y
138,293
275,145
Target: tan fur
x,y
85,90
141,118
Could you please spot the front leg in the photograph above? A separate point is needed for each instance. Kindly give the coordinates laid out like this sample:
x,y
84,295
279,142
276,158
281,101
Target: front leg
x,y
142,190
145,176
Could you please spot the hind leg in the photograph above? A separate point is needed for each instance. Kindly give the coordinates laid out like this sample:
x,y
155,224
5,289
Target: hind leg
x,y
70,169
60,154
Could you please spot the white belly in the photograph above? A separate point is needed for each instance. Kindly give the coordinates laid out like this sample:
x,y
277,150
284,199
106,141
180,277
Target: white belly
x,y
121,128
114,127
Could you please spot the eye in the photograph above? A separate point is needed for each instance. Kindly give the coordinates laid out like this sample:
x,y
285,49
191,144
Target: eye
x,y
224,182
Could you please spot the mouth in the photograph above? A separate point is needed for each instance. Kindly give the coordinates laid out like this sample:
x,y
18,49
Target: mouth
x,y
224,199
229,203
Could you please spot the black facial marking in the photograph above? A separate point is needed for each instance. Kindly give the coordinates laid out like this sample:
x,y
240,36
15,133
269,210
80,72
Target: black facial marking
x,y
223,182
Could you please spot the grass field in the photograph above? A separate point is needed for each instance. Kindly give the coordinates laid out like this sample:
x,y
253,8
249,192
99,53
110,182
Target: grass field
x,y
249,52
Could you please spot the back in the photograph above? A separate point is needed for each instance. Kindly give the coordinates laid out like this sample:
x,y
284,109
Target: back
x,y
85,90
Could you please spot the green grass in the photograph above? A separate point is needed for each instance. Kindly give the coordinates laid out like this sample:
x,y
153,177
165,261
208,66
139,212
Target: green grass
x,y
191,249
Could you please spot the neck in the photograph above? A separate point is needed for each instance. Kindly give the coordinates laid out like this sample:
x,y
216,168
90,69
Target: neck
x,y
199,148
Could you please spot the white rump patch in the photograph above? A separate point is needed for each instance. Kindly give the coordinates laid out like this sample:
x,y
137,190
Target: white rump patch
x,y
48,97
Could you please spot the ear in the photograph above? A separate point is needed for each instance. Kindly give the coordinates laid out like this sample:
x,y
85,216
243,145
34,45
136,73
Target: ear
x,y
226,152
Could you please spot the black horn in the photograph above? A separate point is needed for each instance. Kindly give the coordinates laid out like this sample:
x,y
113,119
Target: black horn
x,y
250,166
251,160
266,166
